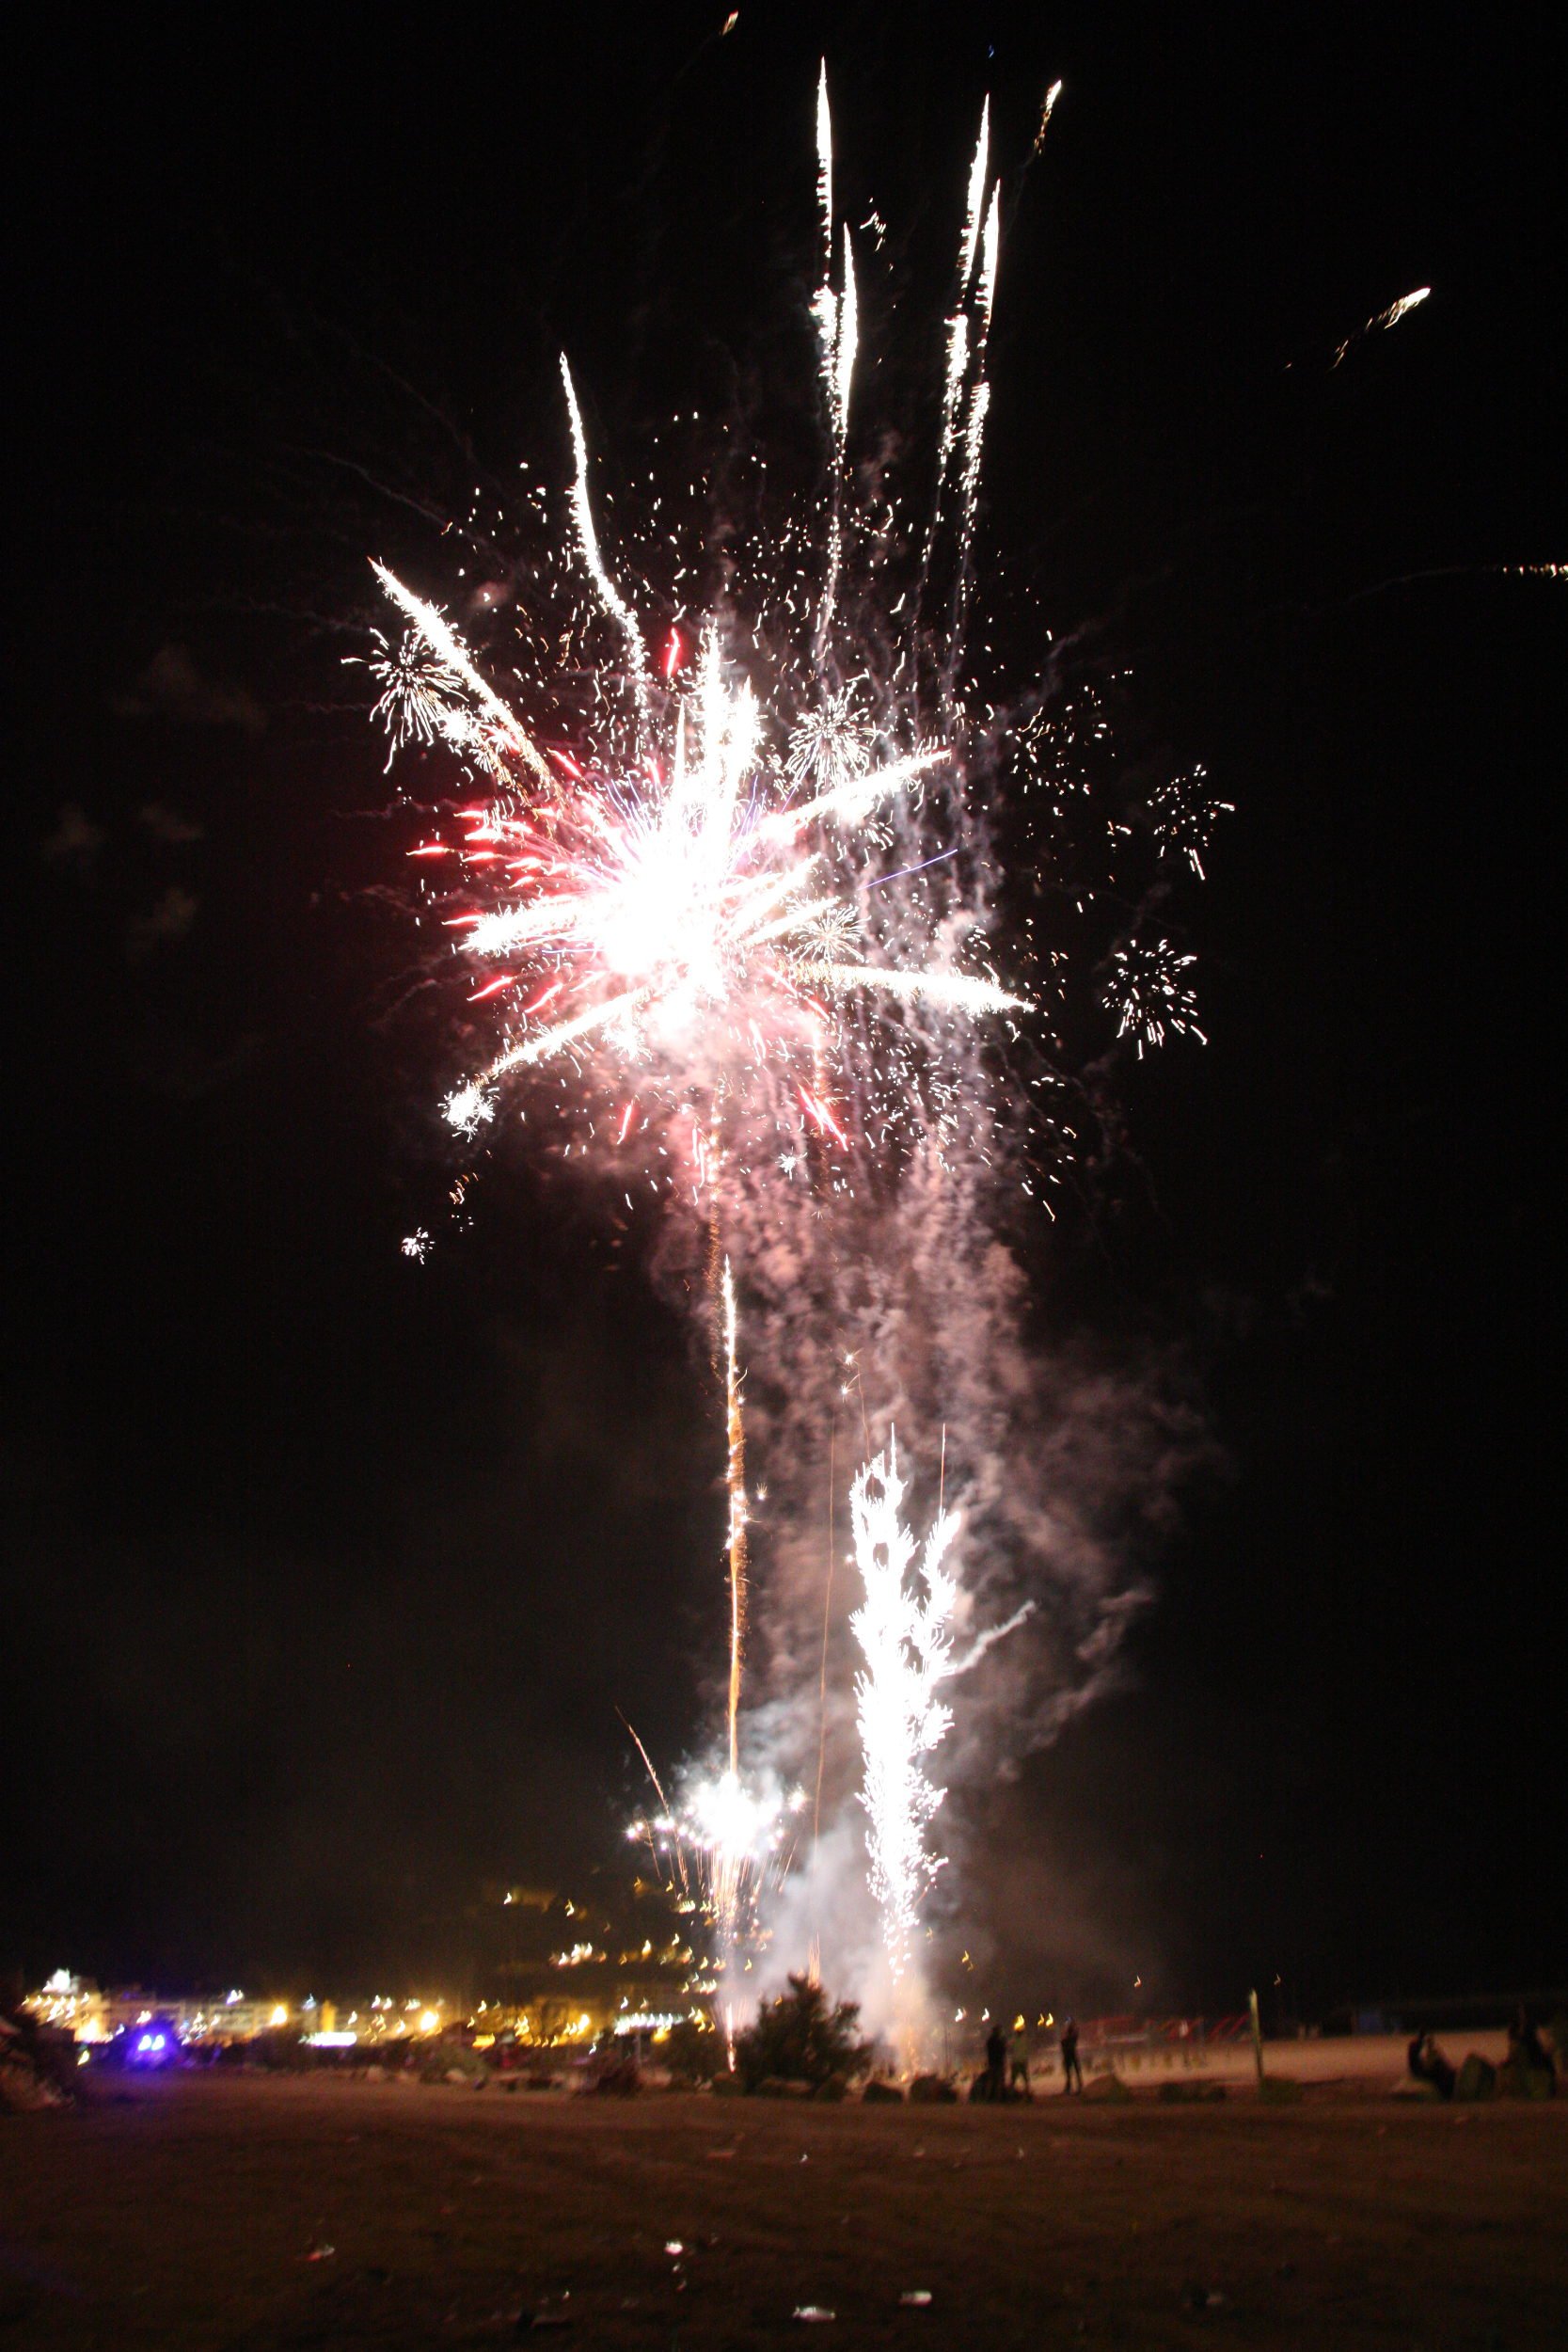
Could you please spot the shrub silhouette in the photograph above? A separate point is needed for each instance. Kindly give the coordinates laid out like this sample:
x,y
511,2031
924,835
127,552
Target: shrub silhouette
x,y
802,2037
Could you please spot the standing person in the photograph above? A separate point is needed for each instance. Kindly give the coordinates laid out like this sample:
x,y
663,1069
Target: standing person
x,y
1018,2073
996,2058
1072,2072
1527,2053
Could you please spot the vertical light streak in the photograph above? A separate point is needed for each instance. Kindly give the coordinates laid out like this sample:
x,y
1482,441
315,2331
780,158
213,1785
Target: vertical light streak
x,y
978,172
827,1616
1047,109
979,244
609,595
825,169
736,1428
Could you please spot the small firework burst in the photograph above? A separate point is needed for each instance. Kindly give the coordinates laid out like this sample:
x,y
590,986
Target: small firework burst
x,y
1187,815
1149,990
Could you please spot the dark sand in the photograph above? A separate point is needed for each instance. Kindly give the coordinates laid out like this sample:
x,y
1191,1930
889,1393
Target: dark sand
x,y
183,2214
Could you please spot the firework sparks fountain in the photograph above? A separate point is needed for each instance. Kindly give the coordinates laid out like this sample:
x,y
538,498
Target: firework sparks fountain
x,y
905,1630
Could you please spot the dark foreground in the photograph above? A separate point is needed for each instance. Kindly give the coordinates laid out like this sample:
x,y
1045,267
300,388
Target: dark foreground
x,y
197,2212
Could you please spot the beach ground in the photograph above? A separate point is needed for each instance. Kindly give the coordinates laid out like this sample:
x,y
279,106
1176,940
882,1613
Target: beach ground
x,y
198,2211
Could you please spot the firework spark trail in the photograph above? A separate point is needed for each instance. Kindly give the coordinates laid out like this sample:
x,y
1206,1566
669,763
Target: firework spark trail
x,y
1390,317
978,226
608,594
736,1477
444,641
1048,108
838,334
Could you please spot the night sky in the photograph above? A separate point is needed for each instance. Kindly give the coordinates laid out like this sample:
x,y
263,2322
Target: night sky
x,y
326,1572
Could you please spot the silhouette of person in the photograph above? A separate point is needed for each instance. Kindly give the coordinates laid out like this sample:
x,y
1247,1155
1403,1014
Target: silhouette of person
x,y
1526,2049
996,2058
1072,2072
1428,2065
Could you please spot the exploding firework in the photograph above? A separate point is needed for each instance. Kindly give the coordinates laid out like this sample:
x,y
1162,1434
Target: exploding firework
x,y
723,1846
681,912
1149,990
685,906
1185,816
722,879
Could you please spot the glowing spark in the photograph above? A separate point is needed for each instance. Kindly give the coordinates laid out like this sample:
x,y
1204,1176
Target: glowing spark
x,y
818,1111
667,908
1399,309
1047,110
1390,317
467,1110
978,172
1185,816
609,595
825,166
957,991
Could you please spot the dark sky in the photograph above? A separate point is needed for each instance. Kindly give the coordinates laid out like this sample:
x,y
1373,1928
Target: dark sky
x,y
325,1573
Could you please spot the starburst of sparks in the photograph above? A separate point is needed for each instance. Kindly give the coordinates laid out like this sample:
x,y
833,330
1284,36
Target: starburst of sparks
x,y
1149,990
684,902
724,1844
1186,814
679,895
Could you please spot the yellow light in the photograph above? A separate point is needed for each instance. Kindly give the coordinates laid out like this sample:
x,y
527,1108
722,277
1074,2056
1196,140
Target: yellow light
x,y
428,2021
279,2015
